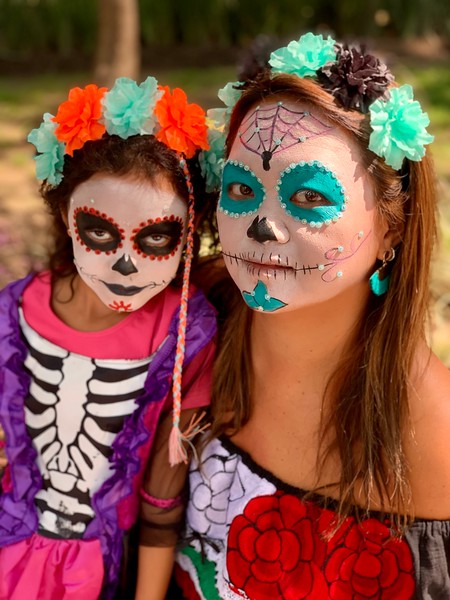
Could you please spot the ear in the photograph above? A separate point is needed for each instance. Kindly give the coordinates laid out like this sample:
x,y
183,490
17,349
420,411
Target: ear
x,y
390,237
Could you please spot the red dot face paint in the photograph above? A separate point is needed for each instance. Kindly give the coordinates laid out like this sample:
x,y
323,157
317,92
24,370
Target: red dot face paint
x,y
128,237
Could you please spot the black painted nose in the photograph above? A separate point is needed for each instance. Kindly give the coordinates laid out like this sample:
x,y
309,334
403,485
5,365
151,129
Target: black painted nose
x,y
124,266
261,231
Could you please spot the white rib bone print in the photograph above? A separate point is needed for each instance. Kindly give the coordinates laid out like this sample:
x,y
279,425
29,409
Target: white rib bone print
x,y
75,408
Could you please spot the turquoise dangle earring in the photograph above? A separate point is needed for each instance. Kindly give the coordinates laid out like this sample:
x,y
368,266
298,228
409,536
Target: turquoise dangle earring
x,y
377,285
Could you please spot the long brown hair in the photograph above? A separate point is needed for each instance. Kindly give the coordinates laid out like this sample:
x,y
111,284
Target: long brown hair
x,y
368,393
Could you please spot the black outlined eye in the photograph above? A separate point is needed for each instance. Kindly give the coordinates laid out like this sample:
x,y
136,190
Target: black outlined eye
x,y
156,240
100,236
96,232
159,239
240,191
309,199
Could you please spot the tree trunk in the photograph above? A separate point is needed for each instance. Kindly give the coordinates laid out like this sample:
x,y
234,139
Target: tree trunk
x,y
118,41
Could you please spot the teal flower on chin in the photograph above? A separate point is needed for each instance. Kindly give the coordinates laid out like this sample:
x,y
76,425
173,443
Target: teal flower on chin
x,y
305,57
399,127
212,161
128,107
259,299
50,157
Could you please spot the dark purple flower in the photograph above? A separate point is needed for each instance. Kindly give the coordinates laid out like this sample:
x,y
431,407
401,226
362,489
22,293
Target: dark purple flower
x,y
356,79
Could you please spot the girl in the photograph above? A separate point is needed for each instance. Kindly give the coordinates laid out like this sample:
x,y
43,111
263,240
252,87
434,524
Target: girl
x,y
90,348
327,471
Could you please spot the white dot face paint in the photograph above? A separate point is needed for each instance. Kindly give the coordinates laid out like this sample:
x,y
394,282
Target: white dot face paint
x,y
296,216
126,247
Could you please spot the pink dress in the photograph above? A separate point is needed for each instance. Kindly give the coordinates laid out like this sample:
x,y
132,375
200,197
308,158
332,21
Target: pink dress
x,y
79,430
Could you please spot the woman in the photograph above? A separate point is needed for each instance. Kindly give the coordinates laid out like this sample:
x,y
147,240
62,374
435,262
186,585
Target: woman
x,y
327,471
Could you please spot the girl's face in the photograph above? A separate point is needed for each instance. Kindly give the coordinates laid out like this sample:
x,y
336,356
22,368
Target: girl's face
x,y
128,236
296,215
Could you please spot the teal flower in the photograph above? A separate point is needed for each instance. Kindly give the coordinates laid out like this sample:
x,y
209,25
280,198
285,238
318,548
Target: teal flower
x,y
399,127
128,107
230,93
305,57
50,157
212,161
259,299
229,96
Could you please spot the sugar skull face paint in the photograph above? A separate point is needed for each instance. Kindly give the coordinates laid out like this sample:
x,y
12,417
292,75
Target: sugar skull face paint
x,y
305,229
128,237
272,128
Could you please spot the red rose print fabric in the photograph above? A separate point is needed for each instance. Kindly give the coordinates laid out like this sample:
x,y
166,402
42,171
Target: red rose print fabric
x,y
278,549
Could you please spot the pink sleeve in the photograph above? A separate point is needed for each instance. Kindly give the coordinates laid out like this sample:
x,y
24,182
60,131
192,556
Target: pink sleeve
x,y
196,381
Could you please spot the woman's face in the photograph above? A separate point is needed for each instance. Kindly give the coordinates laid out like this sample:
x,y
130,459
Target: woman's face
x,y
128,236
296,215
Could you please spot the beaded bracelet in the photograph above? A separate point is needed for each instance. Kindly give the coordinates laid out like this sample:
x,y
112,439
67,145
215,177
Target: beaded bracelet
x,y
164,503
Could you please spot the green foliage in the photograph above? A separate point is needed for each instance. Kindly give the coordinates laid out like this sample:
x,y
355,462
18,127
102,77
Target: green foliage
x,y
67,28
33,28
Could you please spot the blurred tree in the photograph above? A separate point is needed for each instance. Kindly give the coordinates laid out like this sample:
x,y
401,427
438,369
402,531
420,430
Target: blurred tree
x,y
118,52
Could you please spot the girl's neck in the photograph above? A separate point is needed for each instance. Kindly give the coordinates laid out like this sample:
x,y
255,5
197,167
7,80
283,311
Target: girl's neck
x,y
80,308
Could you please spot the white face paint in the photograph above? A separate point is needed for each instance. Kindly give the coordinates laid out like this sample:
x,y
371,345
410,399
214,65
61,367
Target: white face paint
x,y
128,236
296,216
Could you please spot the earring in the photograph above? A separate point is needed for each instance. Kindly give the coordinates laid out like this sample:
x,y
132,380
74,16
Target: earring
x,y
377,285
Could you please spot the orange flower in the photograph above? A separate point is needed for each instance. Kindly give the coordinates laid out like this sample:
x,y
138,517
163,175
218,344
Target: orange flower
x,y
183,125
78,117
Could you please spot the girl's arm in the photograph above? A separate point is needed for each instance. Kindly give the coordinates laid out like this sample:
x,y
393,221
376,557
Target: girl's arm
x,y
162,514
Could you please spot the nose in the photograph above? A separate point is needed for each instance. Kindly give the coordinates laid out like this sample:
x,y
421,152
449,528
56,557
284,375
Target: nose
x,y
125,265
267,230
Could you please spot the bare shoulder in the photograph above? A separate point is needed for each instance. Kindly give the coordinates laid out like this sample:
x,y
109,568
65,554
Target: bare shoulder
x,y
430,383
427,441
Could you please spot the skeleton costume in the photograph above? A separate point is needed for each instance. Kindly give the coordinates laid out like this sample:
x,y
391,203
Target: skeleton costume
x,y
93,413
72,487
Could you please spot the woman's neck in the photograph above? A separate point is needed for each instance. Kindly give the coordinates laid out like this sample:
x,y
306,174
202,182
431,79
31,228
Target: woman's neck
x,y
309,340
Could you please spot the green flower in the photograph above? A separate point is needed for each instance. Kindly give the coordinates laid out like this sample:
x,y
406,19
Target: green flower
x,y
212,161
50,157
229,96
399,127
305,57
128,107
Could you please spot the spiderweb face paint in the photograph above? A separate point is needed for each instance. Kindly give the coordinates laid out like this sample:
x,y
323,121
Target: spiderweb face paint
x,y
127,238
305,230
270,129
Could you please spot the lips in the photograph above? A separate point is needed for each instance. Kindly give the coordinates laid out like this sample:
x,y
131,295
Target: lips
x,y
264,265
121,290
274,263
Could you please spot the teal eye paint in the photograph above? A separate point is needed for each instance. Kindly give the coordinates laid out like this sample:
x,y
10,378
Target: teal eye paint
x,y
237,173
313,176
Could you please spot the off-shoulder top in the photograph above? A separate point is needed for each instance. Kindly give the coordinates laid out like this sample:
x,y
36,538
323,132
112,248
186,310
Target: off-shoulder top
x,y
251,536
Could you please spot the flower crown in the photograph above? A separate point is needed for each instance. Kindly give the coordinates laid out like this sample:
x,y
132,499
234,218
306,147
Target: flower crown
x,y
358,81
126,109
